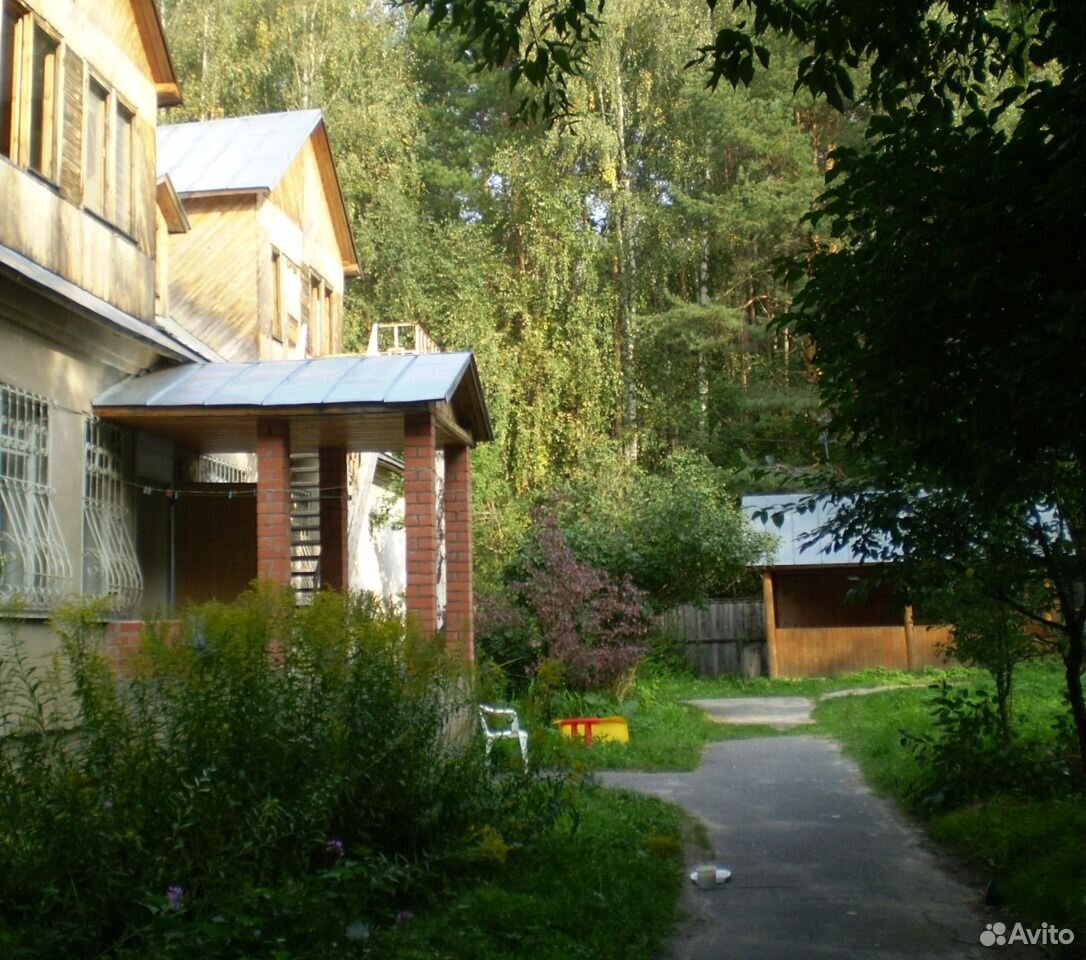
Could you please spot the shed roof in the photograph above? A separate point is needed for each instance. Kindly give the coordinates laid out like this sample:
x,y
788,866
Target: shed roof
x,y
353,401
795,544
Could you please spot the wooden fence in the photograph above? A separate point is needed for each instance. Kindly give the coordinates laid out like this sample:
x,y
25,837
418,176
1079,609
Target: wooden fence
x,y
725,636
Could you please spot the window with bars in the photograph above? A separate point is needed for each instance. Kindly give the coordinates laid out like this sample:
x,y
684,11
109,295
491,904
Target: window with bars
x,y
110,566
34,564
233,469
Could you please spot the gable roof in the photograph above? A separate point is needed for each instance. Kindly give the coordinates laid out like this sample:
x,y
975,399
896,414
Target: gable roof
x,y
153,35
252,155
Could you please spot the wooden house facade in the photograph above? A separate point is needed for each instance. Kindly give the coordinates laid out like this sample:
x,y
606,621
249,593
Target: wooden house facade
x,y
80,85
126,276
260,272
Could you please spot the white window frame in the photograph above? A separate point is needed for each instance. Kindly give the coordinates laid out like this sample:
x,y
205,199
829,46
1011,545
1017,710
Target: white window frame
x,y
110,565
36,570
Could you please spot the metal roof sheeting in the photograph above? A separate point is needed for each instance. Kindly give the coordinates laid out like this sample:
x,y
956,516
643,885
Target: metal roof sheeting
x,y
234,154
403,379
796,529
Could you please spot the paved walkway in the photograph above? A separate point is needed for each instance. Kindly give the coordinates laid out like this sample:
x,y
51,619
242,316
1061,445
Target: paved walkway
x,y
821,867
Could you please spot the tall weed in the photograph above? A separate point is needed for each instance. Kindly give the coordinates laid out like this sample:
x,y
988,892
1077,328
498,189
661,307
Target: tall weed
x,y
253,772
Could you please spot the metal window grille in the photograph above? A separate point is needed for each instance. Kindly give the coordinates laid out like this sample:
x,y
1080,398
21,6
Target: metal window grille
x,y
34,564
110,565
239,469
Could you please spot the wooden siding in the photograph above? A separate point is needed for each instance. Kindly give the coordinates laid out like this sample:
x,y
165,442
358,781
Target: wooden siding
x,y
45,222
116,19
45,228
302,197
214,274
825,651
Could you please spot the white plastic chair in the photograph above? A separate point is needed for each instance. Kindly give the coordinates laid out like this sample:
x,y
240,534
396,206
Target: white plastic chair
x,y
506,727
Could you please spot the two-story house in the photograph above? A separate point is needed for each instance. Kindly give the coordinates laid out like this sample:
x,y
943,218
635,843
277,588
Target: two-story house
x,y
80,86
151,319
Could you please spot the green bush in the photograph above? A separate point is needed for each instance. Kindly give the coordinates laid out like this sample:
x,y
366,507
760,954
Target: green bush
x,y
968,755
255,778
678,534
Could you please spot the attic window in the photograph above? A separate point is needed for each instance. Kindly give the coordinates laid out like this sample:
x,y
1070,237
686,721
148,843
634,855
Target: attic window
x,y
287,303
97,122
29,86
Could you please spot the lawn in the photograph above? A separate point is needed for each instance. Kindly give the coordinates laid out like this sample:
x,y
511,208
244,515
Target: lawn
x,y
571,895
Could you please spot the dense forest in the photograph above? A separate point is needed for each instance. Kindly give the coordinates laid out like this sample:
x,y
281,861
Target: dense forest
x,y
613,273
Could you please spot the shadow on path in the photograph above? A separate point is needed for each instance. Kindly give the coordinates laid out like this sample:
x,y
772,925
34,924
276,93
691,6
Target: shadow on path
x,y
821,866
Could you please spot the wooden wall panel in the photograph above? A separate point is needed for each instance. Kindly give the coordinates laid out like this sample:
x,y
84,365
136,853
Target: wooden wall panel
x,y
215,547
144,204
214,274
38,223
116,19
826,651
824,598
71,148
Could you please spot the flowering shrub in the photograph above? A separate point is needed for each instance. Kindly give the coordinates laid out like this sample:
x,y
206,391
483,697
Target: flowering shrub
x,y
254,784
591,623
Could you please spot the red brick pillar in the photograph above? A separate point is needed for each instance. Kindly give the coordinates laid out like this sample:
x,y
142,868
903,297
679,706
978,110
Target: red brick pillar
x,y
333,510
459,602
420,518
273,501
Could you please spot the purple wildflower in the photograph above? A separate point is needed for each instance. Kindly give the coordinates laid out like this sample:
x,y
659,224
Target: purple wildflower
x,y
404,916
174,897
336,849
107,804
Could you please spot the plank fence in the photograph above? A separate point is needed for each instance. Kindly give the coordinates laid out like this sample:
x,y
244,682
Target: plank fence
x,y
723,637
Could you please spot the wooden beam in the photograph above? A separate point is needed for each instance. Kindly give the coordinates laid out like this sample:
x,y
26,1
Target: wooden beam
x,y
770,622
447,424
910,643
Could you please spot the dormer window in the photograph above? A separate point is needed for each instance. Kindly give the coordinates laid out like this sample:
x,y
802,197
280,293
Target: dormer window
x,y
29,87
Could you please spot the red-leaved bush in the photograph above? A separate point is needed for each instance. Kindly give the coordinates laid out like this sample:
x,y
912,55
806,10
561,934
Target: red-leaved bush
x,y
589,621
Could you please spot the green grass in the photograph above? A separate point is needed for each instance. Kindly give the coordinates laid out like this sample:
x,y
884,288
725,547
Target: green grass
x,y
668,734
575,894
1032,848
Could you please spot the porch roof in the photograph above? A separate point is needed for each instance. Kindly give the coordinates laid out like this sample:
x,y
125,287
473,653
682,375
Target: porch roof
x,y
356,402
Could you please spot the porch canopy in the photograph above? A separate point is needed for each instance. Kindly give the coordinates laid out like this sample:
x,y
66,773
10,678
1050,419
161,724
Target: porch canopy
x,y
352,402
329,406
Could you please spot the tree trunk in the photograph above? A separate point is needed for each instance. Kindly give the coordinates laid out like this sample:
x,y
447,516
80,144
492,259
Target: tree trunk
x,y
626,236
1072,662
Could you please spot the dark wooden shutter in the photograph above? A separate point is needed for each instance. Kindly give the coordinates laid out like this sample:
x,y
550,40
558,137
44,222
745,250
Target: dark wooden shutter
x,y
71,151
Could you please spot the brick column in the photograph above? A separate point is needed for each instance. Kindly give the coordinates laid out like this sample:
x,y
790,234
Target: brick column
x,y
420,518
459,603
333,508
273,501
